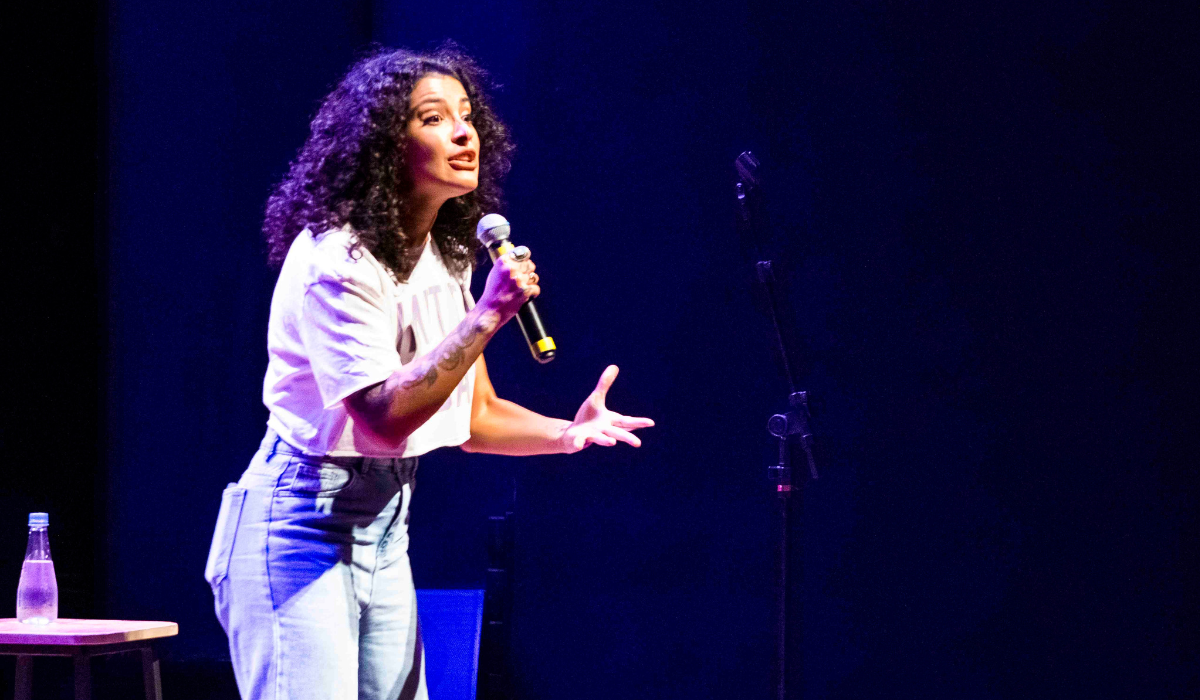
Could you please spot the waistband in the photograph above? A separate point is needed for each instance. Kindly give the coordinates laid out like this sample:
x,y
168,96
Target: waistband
x,y
272,444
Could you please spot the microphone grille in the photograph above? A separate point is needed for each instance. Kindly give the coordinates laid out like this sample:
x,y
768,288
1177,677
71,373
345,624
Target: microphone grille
x,y
492,229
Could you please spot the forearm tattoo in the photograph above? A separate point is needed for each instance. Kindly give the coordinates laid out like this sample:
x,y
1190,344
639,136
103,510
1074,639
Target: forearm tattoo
x,y
452,351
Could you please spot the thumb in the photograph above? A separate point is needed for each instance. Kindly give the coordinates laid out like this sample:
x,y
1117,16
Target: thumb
x,y
606,381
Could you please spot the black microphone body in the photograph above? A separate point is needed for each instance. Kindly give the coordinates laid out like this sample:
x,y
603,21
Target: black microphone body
x,y
493,231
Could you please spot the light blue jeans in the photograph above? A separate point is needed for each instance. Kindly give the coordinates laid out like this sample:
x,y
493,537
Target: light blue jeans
x,y
309,567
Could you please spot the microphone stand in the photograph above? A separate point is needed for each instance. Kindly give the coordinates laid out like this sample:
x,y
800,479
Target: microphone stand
x,y
783,426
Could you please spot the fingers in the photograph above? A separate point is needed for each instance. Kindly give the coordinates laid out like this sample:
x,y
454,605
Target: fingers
x,y
631,422
603,440
521,271
530,285
606,381
518,264
623,435
583,440
510,284
607,436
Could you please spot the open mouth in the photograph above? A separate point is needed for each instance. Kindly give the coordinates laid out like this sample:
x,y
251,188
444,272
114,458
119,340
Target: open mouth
x,y
463,161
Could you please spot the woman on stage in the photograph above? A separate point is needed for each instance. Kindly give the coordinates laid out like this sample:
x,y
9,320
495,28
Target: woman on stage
x,y
375,358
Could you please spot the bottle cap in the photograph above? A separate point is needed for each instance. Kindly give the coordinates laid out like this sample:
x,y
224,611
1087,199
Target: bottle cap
x,y
39,520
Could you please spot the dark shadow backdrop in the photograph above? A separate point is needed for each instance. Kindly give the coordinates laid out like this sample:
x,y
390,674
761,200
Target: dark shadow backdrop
x,y
987,214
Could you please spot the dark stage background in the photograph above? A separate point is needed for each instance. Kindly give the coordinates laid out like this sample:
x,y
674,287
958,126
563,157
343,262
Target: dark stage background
x,y
988,213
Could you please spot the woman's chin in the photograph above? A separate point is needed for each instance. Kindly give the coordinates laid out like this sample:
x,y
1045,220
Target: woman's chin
x,y
463,188
468,179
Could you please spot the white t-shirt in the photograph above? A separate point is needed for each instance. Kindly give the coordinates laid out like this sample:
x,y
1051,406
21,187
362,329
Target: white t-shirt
x,y
341,323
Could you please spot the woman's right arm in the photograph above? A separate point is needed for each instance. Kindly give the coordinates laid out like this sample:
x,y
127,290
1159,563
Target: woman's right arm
x,y
397,406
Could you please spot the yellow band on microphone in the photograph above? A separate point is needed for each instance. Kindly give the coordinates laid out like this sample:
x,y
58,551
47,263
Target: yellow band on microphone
x,y
504,248
546,344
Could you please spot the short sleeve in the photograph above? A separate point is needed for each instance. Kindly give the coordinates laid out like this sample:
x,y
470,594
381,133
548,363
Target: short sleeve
x,y
349,334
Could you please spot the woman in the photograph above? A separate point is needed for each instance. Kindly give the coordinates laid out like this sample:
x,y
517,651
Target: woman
x,y
375,356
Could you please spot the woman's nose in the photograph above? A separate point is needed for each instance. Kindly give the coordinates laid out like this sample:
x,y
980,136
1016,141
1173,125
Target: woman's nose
x,y
461,133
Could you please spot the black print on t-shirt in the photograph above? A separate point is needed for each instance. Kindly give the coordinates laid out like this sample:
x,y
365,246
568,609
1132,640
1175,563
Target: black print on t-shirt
x,y
438,309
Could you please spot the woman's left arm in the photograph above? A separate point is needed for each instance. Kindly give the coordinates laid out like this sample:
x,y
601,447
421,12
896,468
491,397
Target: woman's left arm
x,y
505,428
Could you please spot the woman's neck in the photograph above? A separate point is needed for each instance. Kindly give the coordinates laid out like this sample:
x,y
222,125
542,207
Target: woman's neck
x,y
420,220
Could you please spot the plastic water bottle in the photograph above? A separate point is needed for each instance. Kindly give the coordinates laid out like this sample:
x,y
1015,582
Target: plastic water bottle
x,y
37,594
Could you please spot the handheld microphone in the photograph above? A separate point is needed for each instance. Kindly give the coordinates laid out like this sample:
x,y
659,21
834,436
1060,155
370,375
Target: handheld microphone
x,y
493,231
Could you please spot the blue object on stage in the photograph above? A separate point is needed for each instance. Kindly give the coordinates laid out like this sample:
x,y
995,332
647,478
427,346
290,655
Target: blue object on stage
x,y
451,622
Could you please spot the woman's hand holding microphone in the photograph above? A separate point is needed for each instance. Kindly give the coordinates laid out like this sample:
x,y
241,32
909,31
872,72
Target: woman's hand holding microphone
x,y
511,282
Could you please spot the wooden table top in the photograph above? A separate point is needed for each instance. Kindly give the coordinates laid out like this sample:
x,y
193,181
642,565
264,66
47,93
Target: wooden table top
x,y
81,632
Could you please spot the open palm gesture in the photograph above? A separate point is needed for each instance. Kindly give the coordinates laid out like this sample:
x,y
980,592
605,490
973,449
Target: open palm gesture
x,y
594,423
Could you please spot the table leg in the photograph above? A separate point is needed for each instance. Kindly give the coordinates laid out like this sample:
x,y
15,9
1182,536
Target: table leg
x,y
150,673
83,677
24,684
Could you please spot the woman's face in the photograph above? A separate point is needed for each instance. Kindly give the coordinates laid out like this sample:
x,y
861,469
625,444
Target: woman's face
x,y
443,148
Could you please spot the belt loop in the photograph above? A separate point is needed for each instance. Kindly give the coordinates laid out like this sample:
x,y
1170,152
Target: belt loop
x,y
404,468
274,448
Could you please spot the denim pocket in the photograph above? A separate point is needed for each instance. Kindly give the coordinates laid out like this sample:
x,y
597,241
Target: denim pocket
x,y
224,535
324,479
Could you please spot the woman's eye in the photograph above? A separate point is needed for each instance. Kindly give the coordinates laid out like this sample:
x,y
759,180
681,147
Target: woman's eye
x,y
432,119
468,117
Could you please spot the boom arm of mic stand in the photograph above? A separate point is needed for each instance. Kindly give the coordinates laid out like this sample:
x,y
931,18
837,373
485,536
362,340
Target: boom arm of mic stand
x,y
796,419
766,277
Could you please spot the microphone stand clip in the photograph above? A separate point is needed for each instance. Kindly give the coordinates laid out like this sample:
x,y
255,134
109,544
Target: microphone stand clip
x,y
783,426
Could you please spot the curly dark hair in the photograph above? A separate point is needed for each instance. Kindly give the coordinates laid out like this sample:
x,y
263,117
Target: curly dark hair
x,y
352,170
